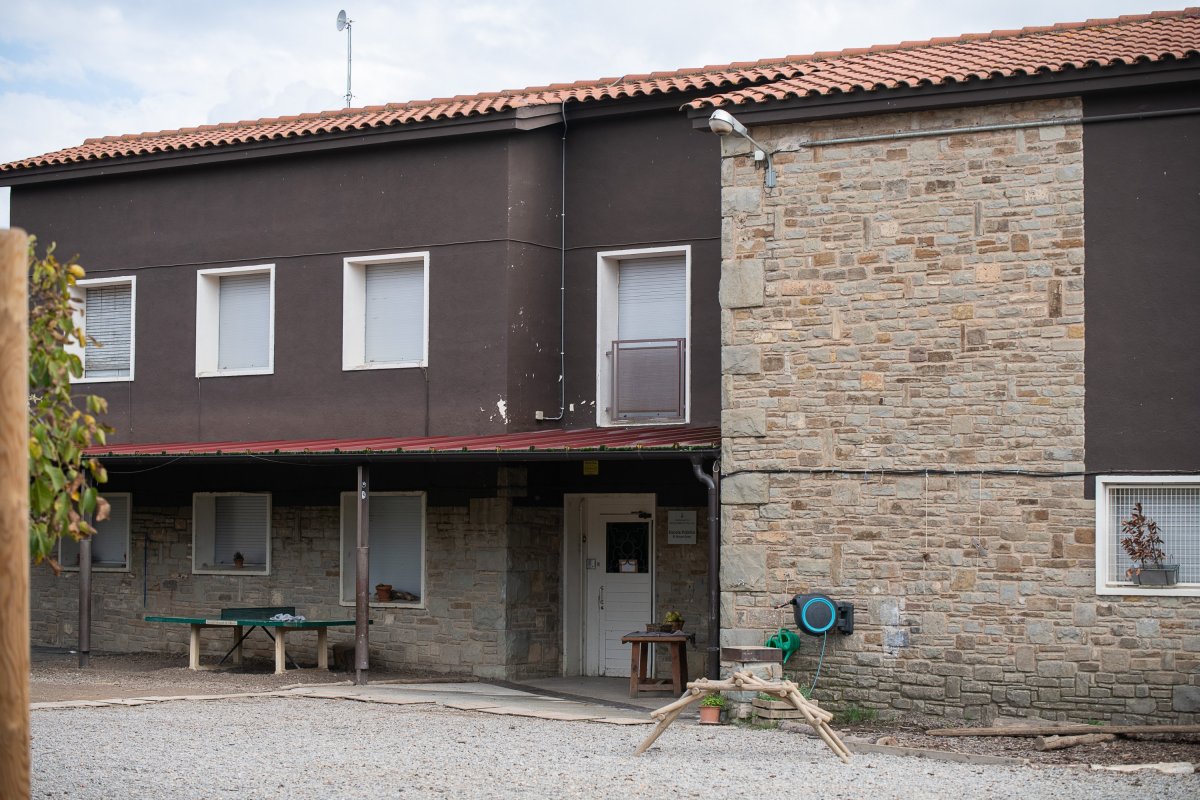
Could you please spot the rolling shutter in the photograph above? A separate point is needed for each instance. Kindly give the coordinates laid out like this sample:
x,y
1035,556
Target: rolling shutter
x,y
108,324
396,553
244,336
241,527
395,313
651,299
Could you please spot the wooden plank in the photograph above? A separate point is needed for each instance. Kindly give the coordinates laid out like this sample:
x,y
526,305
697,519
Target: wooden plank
x,y
1063,730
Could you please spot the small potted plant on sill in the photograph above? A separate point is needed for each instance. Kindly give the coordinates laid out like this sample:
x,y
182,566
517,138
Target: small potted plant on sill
x,y
383,592
1143,544
710,709
239,560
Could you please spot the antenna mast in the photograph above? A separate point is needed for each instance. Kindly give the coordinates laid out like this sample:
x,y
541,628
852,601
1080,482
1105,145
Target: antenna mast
x,y
343,23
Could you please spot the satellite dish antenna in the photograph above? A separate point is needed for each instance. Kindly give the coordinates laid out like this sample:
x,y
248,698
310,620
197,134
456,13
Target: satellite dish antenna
x,y
343,24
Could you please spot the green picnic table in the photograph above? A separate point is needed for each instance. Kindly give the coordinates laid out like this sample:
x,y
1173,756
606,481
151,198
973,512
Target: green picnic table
x,y
243,621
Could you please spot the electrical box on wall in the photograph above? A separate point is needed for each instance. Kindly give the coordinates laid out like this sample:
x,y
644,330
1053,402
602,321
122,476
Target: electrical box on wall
x,y
817,614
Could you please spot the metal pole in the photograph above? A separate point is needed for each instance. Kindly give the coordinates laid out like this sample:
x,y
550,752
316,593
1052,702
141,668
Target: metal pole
x,y
362,575
349,35
85,601
14,515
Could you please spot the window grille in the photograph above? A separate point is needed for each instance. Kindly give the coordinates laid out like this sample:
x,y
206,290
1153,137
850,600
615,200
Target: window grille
x,y
1175,508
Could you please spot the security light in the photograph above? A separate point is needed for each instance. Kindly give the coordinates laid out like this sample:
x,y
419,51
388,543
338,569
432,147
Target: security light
x,y
722,123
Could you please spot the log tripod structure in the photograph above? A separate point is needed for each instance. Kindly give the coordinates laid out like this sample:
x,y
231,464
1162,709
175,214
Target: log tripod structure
x,y
817,717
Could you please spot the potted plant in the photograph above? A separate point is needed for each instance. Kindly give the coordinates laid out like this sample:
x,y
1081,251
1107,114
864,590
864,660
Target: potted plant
x,y
239,560
383,592
674,620
1142,543
710,709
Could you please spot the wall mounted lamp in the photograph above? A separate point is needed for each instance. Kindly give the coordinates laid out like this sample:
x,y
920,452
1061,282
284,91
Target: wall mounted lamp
x,y
722,123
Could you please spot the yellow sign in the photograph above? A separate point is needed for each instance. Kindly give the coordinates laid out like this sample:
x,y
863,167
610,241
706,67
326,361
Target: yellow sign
x,y
591,468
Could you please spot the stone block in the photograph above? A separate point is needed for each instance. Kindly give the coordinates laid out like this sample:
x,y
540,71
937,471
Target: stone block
x,y
742,283
1185,699
741,360
743,568
744,422
745,489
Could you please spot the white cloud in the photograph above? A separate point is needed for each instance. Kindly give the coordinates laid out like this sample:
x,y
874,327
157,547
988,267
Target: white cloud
x,y
73,69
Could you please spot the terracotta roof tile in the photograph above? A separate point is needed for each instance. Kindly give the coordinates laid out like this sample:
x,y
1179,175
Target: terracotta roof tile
x,y
1159,36
980,56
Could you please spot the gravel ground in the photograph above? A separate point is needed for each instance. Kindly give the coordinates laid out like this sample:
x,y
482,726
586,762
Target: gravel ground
x,y
306,748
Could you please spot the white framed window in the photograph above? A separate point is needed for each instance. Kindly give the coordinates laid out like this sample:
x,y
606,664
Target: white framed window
x,y
1171,501
397,546
106,308
226,525
643,336
110,542
235,321
385,311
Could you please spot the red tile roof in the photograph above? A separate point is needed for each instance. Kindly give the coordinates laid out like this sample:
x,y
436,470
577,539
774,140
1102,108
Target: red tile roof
x,y
1124,40
1160,36
393,114
586,441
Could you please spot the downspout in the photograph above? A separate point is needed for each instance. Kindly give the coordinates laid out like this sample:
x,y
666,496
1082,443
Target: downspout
x,y
714,564
562,276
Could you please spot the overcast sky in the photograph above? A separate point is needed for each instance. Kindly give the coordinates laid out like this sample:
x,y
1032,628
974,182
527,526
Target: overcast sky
x,y
73,70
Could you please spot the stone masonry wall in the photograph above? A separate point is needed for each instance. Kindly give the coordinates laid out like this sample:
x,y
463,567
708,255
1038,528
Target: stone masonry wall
x,y
681,584
909,305
471,600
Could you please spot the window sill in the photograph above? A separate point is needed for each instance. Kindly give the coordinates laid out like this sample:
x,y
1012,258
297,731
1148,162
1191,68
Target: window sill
x,y
640,423
100,568
229,373
216,570
109,379
1134,590
418,606
385,365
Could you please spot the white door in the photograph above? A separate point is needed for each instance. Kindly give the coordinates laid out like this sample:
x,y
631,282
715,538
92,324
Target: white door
x,y
619,580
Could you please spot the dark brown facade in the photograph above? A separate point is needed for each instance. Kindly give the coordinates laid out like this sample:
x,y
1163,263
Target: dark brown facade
x,y
1142,280
487,208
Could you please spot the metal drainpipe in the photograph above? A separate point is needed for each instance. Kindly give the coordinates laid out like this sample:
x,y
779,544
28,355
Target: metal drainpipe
x,y
85,601
714,565
362,619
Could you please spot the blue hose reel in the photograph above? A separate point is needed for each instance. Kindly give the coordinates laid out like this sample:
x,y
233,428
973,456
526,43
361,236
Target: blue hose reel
x,y
817,615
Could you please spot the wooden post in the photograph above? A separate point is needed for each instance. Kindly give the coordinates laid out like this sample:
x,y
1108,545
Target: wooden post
x,y
14,515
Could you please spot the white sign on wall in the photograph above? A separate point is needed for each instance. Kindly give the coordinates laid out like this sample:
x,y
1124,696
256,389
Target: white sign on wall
x,y
681,527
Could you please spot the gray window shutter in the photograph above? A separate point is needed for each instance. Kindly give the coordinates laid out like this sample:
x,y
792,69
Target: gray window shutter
x,y
651,299
396,548
107,320
241,527
395,313
245,322
109,541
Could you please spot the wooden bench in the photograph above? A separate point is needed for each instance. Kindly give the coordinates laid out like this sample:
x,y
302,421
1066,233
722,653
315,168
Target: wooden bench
x,y
243,621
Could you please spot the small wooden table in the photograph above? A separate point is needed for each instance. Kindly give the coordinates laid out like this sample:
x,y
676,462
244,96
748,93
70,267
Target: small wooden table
x,y
676,643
